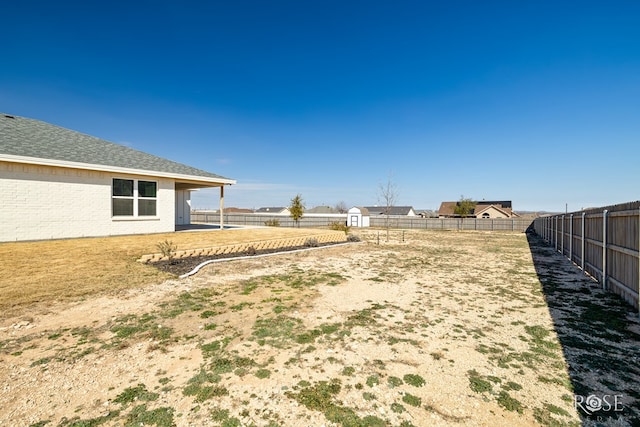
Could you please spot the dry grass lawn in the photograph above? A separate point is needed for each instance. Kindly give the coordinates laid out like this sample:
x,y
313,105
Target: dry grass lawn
x,y
433,328
62,269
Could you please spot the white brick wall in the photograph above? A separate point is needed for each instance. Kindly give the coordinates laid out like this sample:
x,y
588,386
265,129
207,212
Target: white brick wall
x,y
42,202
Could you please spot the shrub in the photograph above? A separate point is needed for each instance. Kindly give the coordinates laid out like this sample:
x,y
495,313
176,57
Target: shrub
x,y
272,222
167,249
353,238
311,242
339,226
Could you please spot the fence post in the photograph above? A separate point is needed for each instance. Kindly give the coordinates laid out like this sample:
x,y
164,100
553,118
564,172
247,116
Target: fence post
x,y
562,237
583,248
571,237
555,233
604,249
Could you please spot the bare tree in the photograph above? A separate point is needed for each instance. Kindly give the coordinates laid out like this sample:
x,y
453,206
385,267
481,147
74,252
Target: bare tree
x,y
341,207
387,197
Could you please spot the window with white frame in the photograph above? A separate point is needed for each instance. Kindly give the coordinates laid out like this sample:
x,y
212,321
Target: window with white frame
x,y
133,197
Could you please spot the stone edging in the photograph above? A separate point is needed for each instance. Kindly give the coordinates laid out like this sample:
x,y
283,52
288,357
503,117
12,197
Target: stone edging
x,y
330,237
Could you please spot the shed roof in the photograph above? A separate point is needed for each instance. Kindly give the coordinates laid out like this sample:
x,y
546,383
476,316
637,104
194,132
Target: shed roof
x,y
33,141
363,211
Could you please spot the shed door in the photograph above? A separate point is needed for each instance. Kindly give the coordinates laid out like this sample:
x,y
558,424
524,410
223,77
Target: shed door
x,y
354,221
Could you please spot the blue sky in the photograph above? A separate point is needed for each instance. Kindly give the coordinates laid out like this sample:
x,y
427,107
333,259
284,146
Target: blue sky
x,y
537,102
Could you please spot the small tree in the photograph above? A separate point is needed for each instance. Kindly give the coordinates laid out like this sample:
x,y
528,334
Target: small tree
x,y
464,207
341,207
297,209
387,196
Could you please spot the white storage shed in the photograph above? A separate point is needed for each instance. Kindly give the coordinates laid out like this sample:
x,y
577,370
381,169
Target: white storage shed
x,y
358,217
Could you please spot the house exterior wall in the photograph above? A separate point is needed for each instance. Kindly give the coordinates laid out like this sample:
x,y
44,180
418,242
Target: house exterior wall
x,y
43,202
492,214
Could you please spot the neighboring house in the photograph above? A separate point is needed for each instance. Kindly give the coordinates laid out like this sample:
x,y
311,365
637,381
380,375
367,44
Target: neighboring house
x,y
491,211
482,209
393,210
58,183
321,210
274,211
237,210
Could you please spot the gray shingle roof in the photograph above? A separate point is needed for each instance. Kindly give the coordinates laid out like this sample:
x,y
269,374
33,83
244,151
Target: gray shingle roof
x,y
20,136
393,210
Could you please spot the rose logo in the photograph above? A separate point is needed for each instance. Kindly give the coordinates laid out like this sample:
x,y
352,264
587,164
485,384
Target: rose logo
x,y
593,404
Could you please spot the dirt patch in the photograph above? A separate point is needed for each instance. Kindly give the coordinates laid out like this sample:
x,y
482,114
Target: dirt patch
x,y
439,328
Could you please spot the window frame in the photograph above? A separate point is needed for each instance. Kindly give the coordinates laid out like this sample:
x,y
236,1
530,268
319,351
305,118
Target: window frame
x,y
135,198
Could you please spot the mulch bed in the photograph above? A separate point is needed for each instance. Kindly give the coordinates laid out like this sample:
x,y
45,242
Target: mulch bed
x,y
181,266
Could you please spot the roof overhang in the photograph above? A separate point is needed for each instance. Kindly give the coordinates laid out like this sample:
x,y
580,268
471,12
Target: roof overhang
x,y
190,181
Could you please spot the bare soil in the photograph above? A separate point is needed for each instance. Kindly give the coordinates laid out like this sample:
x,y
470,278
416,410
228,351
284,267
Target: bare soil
x,y
432,328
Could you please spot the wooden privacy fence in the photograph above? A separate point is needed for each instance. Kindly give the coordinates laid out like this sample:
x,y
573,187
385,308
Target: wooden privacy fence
x,y
498,224
604,242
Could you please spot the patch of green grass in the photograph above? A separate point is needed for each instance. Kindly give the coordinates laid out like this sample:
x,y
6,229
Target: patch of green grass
x,y
277,332
208,313
477,383
348,371
263,373
204,392
397,408
42,361
249,286
364,317
219,415
320,397
231,422
373,380
393,382
160,417
510,385
137,393
509,403
77,422
368,396
414,380
412,400
241,306
54,336
186,301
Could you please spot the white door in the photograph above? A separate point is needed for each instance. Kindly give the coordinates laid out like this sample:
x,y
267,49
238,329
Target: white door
x,y
183,210
354,221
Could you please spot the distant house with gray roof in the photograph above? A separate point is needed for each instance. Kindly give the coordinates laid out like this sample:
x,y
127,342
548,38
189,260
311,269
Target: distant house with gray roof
x,y
392,210
274,210
58,183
